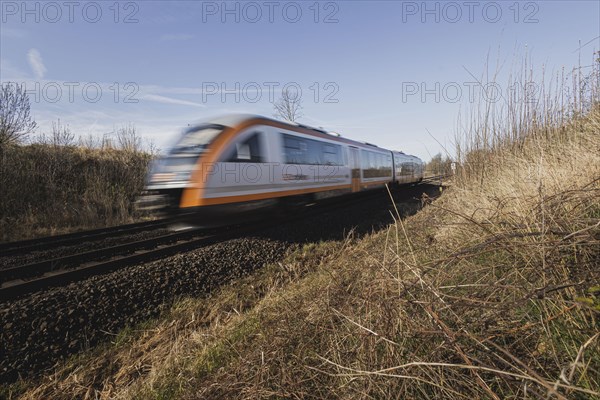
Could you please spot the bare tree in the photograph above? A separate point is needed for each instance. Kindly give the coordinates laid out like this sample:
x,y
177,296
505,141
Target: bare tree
x,y
128,138
15,121
439,165
288,106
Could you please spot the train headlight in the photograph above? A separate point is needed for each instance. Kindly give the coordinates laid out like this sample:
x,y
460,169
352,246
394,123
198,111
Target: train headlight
x,y
163,177
166,177
183,176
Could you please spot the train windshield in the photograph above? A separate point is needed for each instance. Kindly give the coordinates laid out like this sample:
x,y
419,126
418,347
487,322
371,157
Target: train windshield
x,y
176,166
195,139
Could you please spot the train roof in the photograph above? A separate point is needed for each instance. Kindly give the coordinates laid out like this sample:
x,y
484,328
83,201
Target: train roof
x,y
232,120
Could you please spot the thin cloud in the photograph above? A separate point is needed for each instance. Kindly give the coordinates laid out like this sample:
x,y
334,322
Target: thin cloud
x,y
170,100
176,37
13,33
36,63
10,72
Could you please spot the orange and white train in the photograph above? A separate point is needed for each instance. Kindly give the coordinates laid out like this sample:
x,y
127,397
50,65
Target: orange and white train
x,y
244,162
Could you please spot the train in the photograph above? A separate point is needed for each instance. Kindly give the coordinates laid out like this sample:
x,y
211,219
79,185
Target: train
x,y
240,163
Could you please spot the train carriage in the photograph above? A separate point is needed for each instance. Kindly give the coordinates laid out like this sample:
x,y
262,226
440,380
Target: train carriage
x,y
243,162
407,168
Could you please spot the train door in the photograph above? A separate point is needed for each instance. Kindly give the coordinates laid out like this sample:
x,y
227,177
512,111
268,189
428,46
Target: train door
x,y
355,167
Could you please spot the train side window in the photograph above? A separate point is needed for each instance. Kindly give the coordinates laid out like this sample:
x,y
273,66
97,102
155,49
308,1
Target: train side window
x,y
243,151
332,154
297,150
314,152
294,150
250,150
376,165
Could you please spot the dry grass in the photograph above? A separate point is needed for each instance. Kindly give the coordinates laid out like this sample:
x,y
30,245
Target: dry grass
x,y
151,357
490,292
50,189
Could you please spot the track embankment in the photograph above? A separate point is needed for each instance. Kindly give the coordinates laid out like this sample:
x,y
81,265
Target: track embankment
x,y
40,329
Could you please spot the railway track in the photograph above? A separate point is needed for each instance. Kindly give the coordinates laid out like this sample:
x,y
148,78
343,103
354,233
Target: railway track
x,y
26,246
19,281
437,179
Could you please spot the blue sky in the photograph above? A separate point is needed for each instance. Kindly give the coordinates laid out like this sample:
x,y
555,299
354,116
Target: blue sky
x,y
391,73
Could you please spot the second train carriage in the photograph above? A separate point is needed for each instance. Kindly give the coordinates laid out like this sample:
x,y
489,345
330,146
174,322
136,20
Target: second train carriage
x,y
243,162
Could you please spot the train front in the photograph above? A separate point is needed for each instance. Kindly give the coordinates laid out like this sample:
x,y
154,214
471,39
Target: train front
x,y
170,175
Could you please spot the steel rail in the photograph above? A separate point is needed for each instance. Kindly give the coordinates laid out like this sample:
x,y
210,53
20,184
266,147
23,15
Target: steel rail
x,y
44,243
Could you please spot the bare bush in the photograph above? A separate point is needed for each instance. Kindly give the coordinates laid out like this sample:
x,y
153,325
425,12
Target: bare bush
x,y
88,141
489,128
15,119
48,189
128,138
61,135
